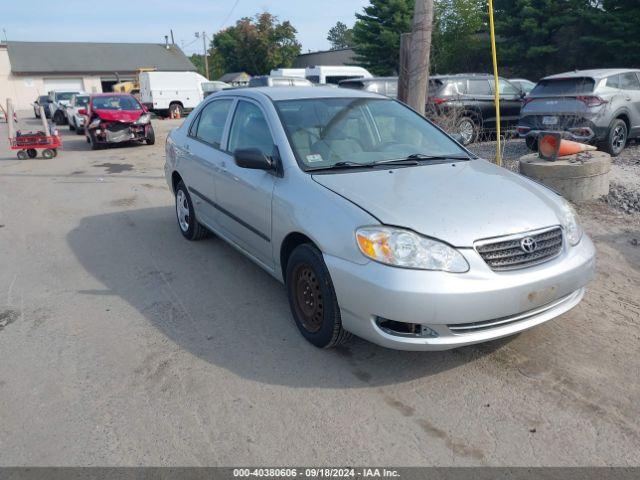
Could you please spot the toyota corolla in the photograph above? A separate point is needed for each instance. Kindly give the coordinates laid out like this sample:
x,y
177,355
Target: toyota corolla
x,y
377,222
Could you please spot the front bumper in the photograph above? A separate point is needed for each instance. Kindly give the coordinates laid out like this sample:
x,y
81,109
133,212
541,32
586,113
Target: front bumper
x,y
116,132
458,309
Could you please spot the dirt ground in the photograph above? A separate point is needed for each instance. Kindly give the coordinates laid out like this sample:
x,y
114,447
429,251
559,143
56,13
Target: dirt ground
x,y
123,344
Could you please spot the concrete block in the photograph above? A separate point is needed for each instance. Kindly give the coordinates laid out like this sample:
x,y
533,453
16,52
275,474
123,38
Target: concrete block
x,y
579,178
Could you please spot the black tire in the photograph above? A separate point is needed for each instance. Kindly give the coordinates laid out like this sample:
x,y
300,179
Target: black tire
x,y
312,299
532,143
468,129
194,230
151,136
175,108
22,155
58,118
48,153
32,153
79,131
91,138
617,138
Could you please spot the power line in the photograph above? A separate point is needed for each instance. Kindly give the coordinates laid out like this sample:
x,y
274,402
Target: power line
x,y
228,15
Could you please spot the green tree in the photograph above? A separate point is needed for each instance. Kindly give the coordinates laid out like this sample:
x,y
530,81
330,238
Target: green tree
x,y
340,36
255,45
376,34
539,37
612,36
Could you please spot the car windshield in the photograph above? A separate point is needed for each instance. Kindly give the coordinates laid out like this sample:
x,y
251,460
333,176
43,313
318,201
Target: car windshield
x,y
116,102
82,101
64,95
43,99
564,86
327,131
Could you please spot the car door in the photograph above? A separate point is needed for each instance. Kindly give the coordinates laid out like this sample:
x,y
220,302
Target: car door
x,y
203,154
479,98
630,84
510,103
243,195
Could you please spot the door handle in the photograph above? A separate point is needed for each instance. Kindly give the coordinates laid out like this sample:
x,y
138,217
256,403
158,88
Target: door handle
x,y
628,99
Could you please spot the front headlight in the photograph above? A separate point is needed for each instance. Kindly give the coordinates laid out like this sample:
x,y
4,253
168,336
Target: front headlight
x,y
404,248
569,220
144,118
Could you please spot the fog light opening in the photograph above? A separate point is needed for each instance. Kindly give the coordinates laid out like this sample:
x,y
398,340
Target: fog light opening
x,y
405,329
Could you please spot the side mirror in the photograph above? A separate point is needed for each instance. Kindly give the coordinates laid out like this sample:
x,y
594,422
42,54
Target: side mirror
x,y
252,158
82,111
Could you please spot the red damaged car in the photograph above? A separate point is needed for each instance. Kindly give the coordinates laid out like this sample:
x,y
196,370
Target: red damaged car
x,y
116,118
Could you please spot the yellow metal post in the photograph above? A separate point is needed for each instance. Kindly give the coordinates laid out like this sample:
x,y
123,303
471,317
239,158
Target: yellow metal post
x,y
497,85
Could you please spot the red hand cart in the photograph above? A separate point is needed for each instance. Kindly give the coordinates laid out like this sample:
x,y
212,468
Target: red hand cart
x,y
28,144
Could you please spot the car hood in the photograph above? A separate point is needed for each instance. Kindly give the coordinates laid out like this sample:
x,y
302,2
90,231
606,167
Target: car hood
x,y
458,203
125,116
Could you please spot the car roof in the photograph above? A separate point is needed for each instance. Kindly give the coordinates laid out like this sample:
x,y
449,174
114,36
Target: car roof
x,y
594,73
368,79
111,94
295,93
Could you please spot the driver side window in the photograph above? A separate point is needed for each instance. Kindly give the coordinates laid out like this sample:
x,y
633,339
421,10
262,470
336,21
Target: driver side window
x,y
250,129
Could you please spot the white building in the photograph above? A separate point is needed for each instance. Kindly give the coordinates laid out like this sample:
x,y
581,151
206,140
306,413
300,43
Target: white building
x,y
30,69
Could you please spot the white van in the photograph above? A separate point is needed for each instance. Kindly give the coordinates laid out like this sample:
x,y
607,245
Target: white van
x,y
288,72
171,92
333,75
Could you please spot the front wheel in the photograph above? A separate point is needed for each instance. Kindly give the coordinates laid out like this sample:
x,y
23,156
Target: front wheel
x,y
58,118
32,152
189,226
312,299
151,136
467,128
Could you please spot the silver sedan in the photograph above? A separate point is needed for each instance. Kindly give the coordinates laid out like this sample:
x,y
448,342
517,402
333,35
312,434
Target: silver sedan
x,y
377,222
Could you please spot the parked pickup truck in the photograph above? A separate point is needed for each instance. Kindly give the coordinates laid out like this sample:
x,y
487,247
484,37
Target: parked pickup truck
x,y
171,93
59,100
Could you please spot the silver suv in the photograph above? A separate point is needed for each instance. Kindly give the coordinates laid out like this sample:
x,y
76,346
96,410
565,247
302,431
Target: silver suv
x,y
596,106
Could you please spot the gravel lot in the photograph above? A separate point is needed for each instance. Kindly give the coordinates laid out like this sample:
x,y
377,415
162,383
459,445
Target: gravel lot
x,y
123,344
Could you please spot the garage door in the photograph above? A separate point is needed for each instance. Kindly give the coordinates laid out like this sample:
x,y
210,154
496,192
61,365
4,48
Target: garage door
x,y
69,84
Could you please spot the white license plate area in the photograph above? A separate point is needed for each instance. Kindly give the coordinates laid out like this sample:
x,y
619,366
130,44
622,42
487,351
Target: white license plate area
x,y
549,120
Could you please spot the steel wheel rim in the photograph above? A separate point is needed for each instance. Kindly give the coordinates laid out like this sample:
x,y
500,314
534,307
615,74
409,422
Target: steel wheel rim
x,y
619,137
182,209
465,129
308,299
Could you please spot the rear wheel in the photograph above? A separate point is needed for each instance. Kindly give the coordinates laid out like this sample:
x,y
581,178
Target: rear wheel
x,y
189,226
22,155
312,299
48,153
616,138
175,110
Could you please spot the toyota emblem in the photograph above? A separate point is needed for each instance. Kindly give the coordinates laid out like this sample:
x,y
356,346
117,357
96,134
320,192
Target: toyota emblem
x,y
528,245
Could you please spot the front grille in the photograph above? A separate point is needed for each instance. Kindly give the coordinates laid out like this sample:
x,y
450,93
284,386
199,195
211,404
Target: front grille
x,y
118,126
507,253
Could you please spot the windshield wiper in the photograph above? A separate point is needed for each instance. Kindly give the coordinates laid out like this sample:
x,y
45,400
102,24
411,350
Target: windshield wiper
x,y
414,159
343,164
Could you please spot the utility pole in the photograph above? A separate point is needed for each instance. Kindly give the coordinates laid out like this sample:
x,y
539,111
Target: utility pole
x,y
418,64
206,57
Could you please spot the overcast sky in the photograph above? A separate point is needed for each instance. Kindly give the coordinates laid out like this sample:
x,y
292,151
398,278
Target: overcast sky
x,y
150,20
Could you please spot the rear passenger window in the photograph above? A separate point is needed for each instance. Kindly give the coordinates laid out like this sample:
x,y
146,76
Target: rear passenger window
x,y
212,120
479,87
629,81
613,81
